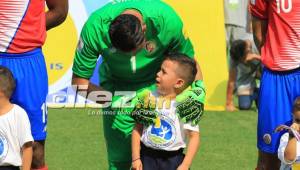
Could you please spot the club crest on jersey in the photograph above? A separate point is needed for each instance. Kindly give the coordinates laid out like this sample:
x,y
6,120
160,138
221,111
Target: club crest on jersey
x,y
3,147
267,138
150,46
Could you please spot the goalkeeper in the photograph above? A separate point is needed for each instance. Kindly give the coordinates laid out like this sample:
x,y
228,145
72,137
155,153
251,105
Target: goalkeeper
x,y
132,38
160,145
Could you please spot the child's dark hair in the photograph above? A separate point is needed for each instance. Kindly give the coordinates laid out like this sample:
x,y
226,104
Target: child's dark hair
x,y
7,82
296,105
237,50
126,33
187,67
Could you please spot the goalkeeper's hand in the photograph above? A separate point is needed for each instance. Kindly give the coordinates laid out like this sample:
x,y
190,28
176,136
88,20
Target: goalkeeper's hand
x,y
141,107
144,111
191,103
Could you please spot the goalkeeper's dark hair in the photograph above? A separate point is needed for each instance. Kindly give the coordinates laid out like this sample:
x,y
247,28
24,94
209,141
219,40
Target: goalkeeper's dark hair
x,y
237,50
7,82
126,33
187,69
296,106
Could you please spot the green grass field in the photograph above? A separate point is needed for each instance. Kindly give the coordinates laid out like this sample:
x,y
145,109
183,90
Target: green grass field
x,y
75,141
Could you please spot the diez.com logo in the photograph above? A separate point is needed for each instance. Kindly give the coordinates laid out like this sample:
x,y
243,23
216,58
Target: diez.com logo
x,y
78,97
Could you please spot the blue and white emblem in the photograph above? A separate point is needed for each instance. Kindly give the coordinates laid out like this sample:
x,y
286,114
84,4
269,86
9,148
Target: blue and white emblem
x,y
162,134
3,147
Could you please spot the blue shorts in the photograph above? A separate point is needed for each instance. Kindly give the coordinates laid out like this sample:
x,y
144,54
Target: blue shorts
x,y
278,90
30,73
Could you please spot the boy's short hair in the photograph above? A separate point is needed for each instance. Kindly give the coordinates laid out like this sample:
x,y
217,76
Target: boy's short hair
x,y
296,105
7,82
126,33
237,50
187,69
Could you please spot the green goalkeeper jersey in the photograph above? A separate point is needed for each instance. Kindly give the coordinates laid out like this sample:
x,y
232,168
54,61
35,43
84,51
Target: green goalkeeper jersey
x,y
122,71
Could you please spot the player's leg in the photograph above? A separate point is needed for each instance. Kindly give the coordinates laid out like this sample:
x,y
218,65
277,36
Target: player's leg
x,y
228,33
29,70
277,92
259,165
118,145
268,161
239,33
38,160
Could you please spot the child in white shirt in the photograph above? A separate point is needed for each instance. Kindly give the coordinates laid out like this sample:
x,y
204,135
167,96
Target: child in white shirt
x,y
15,134
160,146
289,148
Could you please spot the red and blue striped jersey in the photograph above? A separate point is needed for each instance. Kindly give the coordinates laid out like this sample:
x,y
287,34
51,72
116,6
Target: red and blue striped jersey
x,y
281,50
22,25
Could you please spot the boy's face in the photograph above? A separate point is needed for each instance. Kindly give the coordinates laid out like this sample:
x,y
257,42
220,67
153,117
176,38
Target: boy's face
x,y
166,78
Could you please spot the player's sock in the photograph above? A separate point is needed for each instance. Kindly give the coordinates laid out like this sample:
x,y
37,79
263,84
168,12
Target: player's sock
x,y
41,168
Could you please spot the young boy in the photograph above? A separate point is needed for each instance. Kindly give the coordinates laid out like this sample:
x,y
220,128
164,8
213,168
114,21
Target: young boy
x,y
244,66
160,146
289,148
15,134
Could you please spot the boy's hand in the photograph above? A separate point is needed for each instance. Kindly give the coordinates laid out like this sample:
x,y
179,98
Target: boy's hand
x,y
191,103
137,165
183,167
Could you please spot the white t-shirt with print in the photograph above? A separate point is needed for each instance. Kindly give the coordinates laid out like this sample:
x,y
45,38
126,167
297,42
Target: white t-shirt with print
x,y
14,133
283,143
169,133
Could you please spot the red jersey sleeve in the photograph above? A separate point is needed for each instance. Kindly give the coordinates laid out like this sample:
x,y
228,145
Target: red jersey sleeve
x,y
259,8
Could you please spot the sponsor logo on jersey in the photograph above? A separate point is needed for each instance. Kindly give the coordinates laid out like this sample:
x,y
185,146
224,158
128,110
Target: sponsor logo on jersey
x,y
150,46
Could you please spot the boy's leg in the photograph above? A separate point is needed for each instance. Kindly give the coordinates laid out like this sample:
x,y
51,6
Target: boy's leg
x,y
30,74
